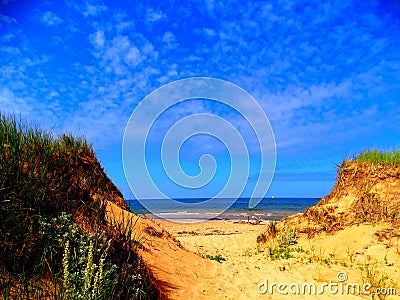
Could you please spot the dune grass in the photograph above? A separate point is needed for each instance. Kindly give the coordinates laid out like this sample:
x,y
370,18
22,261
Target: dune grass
x,y
51,191
379,157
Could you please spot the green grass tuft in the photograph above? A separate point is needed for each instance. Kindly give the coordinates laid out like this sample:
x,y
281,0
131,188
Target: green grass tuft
x,y
216,257
379,157
287,237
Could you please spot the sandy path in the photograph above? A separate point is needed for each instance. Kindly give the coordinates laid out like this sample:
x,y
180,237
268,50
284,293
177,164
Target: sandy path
x,y
182,273
245,268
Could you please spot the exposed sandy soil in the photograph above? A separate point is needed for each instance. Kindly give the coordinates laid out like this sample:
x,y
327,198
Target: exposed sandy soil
x,y
246,266
182,272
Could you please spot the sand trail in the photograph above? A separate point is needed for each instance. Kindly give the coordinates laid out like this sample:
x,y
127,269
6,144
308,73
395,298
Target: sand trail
x,y
182,273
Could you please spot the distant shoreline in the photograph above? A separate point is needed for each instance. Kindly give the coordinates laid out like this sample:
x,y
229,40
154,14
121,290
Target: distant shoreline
x,y
267,209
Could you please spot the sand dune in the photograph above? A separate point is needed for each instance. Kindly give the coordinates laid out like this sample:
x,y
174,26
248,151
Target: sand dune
x,y
181,271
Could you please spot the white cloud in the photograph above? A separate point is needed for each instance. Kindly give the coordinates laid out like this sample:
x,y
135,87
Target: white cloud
x,y
132,56
168,37
169,41
9,50
98,39
52,95
119,54
154,15
209,32
12,104
210,7
50,18
124,26
7,20
94,10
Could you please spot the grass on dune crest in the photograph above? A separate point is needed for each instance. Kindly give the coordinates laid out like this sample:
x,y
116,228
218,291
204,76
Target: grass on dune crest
x,y
379,157
55,242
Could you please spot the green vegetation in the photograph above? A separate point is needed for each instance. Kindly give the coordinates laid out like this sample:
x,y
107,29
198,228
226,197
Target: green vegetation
x,y
381,285
271,232
86,272
285,240
287,237
54,238
379,157
216,257
284,253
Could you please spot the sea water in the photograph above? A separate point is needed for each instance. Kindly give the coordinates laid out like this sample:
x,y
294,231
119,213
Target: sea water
x,y
267,209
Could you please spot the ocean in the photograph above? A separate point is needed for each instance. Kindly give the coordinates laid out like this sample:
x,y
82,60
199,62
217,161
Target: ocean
x,y
267,209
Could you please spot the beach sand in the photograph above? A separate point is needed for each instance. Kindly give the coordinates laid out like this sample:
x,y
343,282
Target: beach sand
x,y
246,266
183,271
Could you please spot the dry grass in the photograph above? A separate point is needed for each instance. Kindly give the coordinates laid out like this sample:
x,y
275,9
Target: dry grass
x,y
41,178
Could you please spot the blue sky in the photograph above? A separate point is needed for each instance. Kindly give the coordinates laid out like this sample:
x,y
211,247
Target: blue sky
x,y
327,75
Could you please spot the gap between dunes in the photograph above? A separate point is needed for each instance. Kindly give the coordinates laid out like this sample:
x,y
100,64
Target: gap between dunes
x,y
183,274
